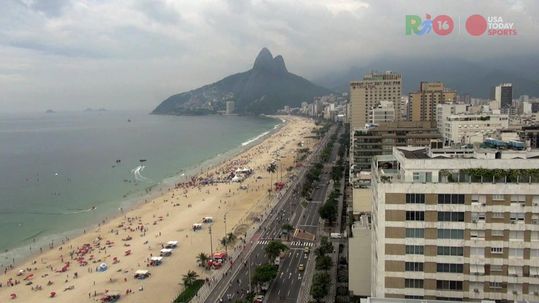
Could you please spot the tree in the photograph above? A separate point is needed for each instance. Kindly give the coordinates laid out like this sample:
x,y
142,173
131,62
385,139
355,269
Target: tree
x,y
323,262
274,249
228,239
288,229
326,247
265,273
272,168
202,259
189,278
328,211
320,286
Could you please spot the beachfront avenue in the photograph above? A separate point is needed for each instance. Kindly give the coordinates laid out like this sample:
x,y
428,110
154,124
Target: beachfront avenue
x,y
295,267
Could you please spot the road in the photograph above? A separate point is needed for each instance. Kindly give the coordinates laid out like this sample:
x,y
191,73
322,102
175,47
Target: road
x,y
286,286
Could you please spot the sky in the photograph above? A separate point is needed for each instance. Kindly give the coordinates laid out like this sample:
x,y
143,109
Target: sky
x,y
132,54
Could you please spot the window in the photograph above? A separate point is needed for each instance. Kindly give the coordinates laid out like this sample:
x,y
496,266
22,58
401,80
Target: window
x,y
497,215
516,252
496,268
449,285
415,216
477,234
517,217
415,233
498,197
451,216
450,251
477,251
534,235
414,297
478,216
415,198
497,233
518,198
516,235
415,249
450,199
495,284
413,266
413,283
496,250
450,234
449,267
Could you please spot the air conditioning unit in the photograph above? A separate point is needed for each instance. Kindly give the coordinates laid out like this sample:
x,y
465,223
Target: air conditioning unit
x,y
515,292
484,204
476,290
535,204
514,275
474,220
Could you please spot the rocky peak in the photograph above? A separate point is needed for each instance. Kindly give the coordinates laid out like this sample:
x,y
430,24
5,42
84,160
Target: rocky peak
x,y
265,62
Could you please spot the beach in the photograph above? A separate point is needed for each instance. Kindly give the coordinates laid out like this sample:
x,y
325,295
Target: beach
x,y
126,243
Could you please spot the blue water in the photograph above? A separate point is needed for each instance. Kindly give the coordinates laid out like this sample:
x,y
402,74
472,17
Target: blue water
x,y
55,168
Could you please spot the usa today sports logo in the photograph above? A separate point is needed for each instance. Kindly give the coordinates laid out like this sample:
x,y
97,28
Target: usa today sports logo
x,y
475,25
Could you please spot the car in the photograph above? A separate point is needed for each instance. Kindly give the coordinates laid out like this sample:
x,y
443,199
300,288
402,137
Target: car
x,y
258,299
306,250
301,267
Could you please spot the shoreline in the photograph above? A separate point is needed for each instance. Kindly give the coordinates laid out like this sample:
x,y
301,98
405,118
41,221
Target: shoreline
x,y
31,250
172,215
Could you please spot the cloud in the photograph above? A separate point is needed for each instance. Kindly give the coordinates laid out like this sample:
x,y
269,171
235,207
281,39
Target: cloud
x,y
134,53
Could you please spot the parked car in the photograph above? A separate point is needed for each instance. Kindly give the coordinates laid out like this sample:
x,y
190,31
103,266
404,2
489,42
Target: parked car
x,y
301,267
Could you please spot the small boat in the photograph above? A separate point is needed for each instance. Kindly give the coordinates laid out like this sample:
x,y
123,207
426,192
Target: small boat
x,y
142,160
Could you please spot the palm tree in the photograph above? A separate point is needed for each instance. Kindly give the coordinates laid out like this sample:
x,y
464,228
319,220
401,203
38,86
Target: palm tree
x,y
189,278
228,239
202,259
272,168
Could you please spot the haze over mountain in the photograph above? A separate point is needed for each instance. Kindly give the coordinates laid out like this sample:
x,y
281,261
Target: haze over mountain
x,y
265,88
474,78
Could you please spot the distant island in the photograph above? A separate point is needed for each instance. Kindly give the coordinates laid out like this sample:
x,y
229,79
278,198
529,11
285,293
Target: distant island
x,y
264,89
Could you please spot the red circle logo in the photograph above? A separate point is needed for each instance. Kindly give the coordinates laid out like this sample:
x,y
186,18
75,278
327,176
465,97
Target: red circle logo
x,y
443,25
476,25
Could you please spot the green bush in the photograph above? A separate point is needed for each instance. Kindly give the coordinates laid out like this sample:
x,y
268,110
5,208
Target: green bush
x,y
189,292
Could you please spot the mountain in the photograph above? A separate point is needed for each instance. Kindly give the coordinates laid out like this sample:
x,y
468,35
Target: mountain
x,y
263,89
466,77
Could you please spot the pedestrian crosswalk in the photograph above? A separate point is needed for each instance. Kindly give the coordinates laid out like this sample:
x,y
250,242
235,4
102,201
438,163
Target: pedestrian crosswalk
x,y
293,243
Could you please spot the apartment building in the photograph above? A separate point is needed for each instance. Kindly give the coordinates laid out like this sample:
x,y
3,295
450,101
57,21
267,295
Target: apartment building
x,y
456,224
367,94
380,140
472,128
383,113
422,104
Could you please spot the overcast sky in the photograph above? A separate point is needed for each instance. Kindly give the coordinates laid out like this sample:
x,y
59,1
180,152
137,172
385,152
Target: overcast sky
x,y
73,54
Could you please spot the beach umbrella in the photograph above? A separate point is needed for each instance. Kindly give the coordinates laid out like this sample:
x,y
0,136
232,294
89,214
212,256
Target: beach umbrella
x,y
102,267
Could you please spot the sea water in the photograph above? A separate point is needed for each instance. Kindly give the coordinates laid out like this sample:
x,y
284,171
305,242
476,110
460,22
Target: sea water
x,y
61,172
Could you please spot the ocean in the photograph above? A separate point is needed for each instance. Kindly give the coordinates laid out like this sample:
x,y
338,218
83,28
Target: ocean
x,y
62,172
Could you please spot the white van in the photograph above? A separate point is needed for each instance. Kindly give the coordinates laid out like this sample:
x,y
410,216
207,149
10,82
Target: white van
x,y
335,236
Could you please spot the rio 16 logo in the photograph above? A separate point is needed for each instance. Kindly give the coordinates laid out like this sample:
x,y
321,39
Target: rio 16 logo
x,y
442,25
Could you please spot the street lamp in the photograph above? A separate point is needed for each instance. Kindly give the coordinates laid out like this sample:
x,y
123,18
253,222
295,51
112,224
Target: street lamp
x,y
211,242
226,240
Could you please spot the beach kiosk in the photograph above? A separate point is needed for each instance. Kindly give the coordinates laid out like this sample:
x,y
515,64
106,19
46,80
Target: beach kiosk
x,y
156,261
171,244
165,252
142,274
